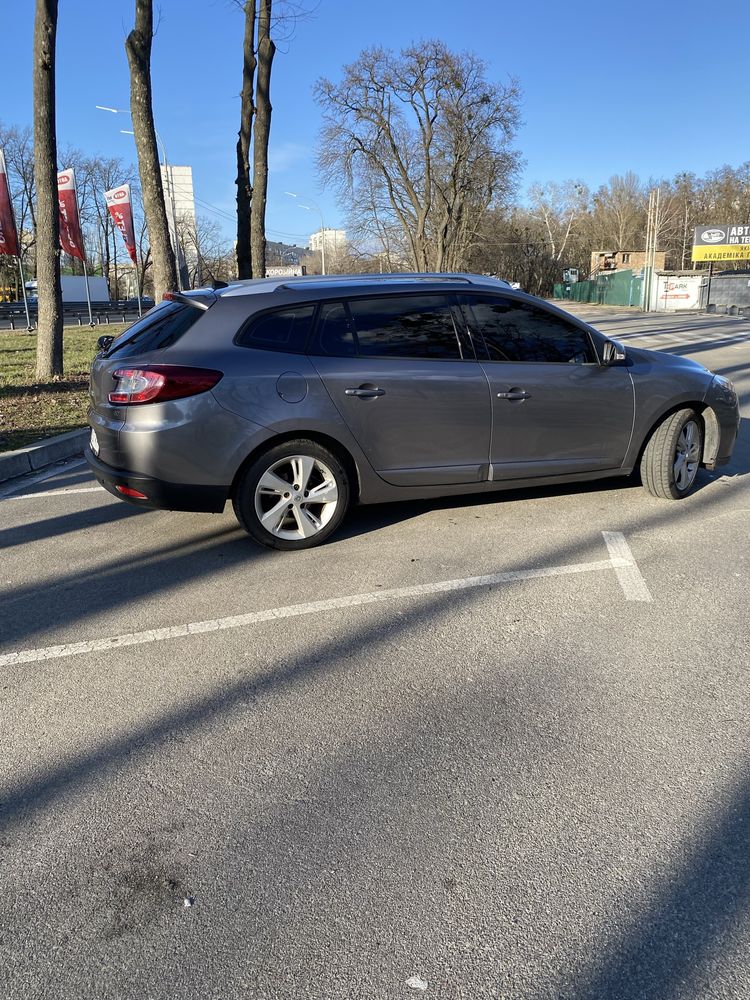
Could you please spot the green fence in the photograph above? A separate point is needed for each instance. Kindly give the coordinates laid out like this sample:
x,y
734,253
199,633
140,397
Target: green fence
x,y
621,288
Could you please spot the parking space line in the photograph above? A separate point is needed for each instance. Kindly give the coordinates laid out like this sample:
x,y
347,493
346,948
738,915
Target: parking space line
x,y
620,559
624,564
56,493
13,486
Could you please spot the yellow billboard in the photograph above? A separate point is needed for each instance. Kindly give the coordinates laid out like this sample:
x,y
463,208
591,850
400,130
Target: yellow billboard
x,y
715,243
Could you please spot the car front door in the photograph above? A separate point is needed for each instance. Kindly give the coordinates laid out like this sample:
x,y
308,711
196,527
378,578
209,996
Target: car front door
x,y
403,376
556,410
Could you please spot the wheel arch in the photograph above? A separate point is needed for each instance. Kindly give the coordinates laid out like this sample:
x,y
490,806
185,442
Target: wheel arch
x,y
339,450
711,430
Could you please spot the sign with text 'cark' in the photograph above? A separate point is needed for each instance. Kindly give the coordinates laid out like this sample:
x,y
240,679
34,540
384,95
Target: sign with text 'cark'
x,y
731,242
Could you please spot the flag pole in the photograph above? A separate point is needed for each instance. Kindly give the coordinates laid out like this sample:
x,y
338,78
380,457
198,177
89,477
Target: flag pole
x,y
138,287
29,327
88,293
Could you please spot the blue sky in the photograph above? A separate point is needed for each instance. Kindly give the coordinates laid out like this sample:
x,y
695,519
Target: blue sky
x,y
653,88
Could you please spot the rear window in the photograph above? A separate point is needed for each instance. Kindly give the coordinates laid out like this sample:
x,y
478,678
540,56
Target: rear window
x,y
282,330
159,328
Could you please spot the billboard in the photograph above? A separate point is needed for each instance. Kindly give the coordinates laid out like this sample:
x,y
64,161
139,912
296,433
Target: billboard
x,y
721,242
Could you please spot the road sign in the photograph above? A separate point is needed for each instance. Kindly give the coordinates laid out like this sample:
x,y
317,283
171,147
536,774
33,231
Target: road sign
x,y
730,242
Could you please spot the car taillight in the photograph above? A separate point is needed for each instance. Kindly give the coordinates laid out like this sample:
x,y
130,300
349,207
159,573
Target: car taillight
x,y
159,383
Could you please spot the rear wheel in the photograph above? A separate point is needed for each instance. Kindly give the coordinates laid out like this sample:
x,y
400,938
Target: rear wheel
x,y
294,496
673,456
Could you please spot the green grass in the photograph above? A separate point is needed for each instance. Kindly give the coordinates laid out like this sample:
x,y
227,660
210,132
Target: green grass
x,y
31,410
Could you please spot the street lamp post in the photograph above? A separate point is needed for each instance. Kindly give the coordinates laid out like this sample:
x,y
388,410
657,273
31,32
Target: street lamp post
x,y
170,185
317,208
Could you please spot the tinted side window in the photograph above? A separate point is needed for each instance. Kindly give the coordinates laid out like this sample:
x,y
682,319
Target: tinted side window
x,y
407,326
335,336
283,330
159,328
514,331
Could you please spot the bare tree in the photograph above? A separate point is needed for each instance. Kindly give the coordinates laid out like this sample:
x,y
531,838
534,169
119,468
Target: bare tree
x,y
138,48
559,207
263,22
431,133
49,352
266,52
247,113
619,215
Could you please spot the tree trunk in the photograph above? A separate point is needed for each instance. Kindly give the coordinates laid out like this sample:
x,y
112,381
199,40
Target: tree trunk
x,y
138,48
247,111
49,351
266,51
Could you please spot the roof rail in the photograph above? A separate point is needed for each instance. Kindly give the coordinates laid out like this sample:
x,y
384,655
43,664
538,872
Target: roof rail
x,y
319,281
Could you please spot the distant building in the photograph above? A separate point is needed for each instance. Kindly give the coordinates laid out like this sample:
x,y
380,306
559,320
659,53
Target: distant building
x,y
283,254
178,189
178,185
623,260
333,239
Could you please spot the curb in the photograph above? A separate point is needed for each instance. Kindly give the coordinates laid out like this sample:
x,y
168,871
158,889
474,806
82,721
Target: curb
x,y
43,453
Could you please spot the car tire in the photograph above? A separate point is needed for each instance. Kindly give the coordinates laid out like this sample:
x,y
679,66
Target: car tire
x,y
673,455
293,496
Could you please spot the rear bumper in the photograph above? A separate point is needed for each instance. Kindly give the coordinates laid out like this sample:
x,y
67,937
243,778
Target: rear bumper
x,y
159,494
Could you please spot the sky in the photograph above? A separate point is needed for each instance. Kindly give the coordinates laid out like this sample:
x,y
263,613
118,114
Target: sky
x,y
607,87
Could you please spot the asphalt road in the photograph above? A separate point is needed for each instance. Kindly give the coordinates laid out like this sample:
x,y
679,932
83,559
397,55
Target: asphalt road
x,y
531,787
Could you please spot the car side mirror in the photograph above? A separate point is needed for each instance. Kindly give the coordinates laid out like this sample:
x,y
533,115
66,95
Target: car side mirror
x,y
104,342
613,351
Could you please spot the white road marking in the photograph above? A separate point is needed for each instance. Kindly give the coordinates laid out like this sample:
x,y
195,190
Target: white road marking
x,y
624,564
23,484
621,563
56,493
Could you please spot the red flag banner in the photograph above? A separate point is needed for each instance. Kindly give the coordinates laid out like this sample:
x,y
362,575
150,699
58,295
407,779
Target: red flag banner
x,y
8,231
71,239
121,209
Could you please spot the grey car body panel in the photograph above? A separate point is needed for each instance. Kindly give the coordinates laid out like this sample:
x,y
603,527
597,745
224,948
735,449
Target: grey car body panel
x,y
431,426
204,440
578,418
662,382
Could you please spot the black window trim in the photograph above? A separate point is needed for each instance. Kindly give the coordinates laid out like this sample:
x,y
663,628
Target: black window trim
x,y
466,348
479,340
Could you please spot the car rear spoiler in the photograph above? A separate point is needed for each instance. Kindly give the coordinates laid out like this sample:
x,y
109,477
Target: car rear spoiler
x,y
199,300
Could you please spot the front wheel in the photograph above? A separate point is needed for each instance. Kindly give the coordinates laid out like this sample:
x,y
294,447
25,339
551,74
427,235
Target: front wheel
x,y
673,456
294,496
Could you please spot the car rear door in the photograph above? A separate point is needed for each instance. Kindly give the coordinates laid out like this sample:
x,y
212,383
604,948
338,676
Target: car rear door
x,y
403,376
556,410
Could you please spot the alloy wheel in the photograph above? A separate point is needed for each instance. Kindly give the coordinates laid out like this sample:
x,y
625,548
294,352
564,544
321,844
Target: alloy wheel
x,y
687,455
296,497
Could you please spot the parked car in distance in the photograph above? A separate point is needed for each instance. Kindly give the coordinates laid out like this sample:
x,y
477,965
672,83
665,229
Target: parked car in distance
x,y
296,397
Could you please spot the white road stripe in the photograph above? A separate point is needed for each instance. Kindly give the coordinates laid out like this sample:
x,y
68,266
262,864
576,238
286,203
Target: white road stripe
x,y
632,582
315,607
57,493
59,469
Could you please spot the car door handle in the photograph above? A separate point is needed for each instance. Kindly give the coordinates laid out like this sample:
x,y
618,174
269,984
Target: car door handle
x,y
514,395
365,392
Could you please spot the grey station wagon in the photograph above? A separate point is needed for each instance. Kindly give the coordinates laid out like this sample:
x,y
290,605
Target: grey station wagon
x,y
297,397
